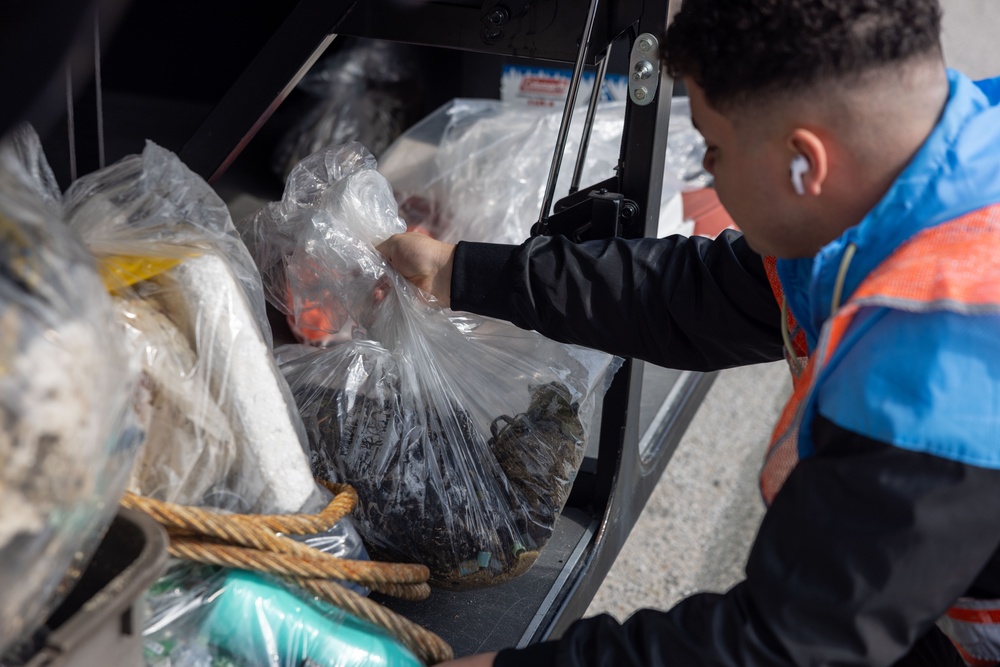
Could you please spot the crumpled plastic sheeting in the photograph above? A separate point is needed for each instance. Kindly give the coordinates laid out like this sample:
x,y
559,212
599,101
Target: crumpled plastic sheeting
x,y
65,383
461,434
287,241
222,427
475,170
369,92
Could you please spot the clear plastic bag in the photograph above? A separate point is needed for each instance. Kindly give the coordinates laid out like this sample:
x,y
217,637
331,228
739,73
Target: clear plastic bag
x,y
201,616
178,604
223,430
462,435
65,381
369,91
222,426
475,170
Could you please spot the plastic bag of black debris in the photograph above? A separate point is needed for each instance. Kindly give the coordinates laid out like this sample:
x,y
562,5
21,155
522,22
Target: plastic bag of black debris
x,y
369,91
462,435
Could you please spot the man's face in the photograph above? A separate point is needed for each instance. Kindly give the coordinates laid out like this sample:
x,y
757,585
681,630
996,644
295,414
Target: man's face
x,y
751,175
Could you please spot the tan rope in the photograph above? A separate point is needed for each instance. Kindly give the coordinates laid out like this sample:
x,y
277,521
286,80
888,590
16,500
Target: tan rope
x,y
281,564
253,542
345,499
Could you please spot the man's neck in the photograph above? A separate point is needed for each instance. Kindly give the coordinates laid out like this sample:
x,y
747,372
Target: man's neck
x,y
892,120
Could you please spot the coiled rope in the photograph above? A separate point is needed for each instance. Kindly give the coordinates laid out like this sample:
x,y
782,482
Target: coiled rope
x,y
252,542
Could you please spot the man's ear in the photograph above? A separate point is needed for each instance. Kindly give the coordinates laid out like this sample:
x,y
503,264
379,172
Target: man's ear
x,y
807,144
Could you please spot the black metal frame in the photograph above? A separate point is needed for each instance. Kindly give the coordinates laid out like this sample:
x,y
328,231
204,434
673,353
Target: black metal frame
x,y
613,487
624,478
543,29
264,85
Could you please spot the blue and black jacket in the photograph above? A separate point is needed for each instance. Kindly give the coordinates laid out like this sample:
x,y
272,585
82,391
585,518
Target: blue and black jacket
x,y
894,508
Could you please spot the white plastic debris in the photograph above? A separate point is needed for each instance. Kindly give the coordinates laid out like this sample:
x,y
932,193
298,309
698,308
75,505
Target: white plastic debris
x,y
205,303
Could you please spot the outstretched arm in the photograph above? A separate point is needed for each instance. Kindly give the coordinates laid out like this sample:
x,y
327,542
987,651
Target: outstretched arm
x,y
689,303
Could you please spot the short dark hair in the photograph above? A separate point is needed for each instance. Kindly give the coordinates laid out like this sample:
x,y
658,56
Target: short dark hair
x,y
741,50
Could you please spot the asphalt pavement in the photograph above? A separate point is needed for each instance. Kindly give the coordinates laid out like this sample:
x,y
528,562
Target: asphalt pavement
x,y
696,529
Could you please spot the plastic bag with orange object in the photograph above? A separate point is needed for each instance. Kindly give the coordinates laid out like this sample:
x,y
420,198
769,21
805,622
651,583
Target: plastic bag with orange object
x,y
461,434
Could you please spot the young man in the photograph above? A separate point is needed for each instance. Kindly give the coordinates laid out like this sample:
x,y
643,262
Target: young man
x,y
842,147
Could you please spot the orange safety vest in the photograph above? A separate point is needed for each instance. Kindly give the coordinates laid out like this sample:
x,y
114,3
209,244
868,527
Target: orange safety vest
x,y
954,266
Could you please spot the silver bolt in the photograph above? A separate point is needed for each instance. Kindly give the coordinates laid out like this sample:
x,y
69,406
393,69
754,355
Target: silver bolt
x,y
643,70
645,44
640,93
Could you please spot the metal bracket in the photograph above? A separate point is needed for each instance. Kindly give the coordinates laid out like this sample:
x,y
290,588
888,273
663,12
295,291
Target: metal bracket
x,y
644,69
596,214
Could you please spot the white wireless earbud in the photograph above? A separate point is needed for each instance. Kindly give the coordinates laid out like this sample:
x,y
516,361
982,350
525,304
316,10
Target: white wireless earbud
x,y
799,167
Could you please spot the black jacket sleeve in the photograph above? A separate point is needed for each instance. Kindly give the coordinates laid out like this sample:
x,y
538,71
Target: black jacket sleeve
x,y
863,549
687,303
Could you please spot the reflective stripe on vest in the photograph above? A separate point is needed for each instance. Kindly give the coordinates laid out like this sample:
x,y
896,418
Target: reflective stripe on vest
x,y
954,267
974,628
